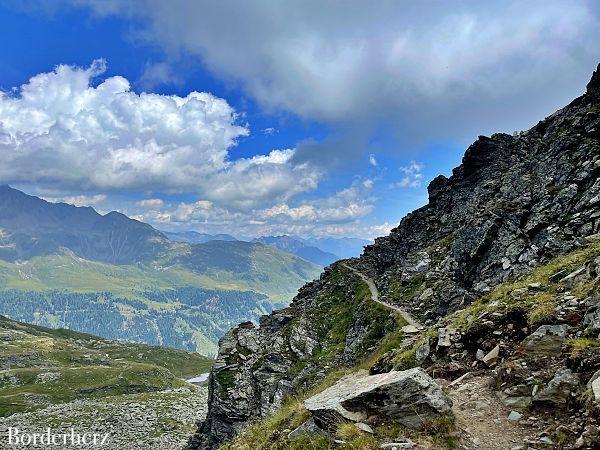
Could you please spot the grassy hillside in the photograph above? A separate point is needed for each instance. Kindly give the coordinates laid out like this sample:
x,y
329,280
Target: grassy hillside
x,y
266,270
164,303
41,366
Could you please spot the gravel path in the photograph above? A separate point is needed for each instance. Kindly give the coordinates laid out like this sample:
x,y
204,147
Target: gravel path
x,y
151,421
482,420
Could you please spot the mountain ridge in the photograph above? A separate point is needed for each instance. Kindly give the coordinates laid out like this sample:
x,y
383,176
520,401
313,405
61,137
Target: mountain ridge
x,y
128,271
517,205
299,248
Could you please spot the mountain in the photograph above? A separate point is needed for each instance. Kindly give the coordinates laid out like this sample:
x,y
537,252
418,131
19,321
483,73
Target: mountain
x,y
297,247
32,227
67,266
492,288
76,366
193,237
344,247
63,380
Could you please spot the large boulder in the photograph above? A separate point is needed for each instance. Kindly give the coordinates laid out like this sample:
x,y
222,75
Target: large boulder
x,y
409,397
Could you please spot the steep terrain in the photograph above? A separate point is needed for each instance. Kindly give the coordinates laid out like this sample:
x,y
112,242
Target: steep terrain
x,y
299,248
501,268
64,266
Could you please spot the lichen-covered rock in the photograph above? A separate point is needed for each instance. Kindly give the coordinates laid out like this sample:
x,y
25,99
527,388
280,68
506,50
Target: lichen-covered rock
x,y
409,397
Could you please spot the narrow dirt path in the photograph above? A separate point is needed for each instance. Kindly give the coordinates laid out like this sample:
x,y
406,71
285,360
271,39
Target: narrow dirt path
x,y
482,421
375,296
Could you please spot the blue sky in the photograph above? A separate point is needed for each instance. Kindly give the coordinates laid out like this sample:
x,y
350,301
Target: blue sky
x,y
317,119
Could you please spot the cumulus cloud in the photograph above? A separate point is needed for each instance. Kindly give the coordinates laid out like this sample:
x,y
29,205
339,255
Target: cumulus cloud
x,y
412,176
150,203
62,130
337,214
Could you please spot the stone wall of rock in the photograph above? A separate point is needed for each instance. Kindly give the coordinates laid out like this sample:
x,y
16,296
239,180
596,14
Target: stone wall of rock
x,y
515,202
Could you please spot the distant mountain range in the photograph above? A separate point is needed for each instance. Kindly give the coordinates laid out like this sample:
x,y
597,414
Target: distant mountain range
x,y
116,277
299,248
193,237
322,251
344,247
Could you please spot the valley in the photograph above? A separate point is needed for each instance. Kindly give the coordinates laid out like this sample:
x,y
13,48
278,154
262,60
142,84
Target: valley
x,y
64,266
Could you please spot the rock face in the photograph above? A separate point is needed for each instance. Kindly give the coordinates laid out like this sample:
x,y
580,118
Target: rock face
x,y
410,397
515,202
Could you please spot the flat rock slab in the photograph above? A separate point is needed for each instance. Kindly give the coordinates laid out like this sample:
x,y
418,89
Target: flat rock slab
x,y
410,397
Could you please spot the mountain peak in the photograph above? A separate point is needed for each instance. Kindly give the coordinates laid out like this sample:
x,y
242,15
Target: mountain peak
x,y
593,87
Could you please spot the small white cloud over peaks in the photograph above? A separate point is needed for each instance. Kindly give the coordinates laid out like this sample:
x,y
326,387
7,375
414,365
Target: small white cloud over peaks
x,y
412,176
150,203
79,200
269,131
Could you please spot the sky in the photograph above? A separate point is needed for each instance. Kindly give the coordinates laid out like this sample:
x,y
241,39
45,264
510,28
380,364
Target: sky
x,y
315,118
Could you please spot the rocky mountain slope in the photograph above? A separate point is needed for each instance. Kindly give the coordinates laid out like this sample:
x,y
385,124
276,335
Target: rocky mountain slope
x,y
66,266
501,268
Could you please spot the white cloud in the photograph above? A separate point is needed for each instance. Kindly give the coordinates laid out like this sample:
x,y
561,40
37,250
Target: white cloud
x,y
372,160
150,203
78,200
338,214
62,131
412,177
270,131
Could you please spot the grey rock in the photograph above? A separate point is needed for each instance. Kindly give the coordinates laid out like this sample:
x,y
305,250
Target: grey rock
x,y
547,340
445,337
514,416
409,397
308,427
398,445
595,385
519,396
364,427
423,351
560,388
591,320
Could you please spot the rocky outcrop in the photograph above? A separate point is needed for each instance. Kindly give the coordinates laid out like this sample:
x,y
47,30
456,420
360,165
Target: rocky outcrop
x,y
514,203
410,397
